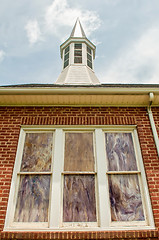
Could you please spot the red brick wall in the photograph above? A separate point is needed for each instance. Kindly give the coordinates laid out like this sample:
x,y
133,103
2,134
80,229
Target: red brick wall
x,y
155,112
11,118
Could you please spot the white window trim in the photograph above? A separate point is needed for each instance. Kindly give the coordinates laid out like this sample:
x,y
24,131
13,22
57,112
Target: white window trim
x,y
102,190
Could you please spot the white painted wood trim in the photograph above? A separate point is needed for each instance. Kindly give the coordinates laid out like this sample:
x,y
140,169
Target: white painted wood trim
x,y
55,200
104,209
13,188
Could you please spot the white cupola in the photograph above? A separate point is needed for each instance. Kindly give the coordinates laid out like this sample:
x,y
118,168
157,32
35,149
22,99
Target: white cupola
x,y
77,54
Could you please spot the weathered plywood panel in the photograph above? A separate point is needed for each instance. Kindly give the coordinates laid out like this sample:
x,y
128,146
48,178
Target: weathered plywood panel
x,y
79,203
37,152
79,154
120,152
125,198
33,199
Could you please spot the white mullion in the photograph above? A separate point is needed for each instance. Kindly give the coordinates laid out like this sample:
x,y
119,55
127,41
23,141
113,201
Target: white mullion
x,y
103,189
55,201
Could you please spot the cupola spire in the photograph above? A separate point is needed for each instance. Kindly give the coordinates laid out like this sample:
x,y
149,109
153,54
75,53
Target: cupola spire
x,y
77,30
77,54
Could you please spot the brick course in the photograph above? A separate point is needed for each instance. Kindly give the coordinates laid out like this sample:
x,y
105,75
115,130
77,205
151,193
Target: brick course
x,y
11,119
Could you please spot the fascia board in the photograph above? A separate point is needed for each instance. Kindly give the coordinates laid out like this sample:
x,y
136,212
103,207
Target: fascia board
x,y
78,90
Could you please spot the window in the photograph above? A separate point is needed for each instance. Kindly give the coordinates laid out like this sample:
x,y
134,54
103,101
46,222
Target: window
x,y
66,56
67,178
89,57
123,178
78,53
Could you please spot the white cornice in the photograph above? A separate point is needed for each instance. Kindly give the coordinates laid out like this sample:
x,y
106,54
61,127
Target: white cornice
x,y
78,96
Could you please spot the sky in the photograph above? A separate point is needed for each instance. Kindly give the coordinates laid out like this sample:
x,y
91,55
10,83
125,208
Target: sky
x,y
125,32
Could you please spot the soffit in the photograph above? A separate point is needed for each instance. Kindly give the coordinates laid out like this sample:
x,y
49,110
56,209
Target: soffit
x,y
77,96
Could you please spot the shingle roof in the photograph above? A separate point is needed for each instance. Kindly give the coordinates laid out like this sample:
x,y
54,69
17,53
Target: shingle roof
x,y
34,85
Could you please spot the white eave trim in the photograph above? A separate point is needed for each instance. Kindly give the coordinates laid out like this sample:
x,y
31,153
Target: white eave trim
x,y
80,90
81,96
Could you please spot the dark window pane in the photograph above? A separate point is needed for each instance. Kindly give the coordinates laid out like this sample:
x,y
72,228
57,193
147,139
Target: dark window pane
x,y
89,50
78,45
37,152
79,153
66,57
89,57
120,152
78,60
125,198
67,49
89,64
66,63
33,199
79,204
78,53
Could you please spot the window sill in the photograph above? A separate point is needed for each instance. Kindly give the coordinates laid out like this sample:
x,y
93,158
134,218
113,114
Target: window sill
x,y
92,234
78,229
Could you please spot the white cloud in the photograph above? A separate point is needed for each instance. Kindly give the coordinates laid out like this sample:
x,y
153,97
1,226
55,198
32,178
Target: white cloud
x,y
2,55
59,15
138,63
33,31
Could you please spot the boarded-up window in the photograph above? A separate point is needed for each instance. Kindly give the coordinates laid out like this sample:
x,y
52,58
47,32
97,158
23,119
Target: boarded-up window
x,y
34,185
79,201
124,190
79,155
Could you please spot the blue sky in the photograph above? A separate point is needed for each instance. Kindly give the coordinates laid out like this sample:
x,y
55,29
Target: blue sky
x,y
125,32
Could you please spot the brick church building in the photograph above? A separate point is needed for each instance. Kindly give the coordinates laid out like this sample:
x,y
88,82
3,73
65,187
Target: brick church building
x,y
79,159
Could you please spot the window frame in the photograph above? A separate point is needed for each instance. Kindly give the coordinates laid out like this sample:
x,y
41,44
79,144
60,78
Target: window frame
x,y
102,193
